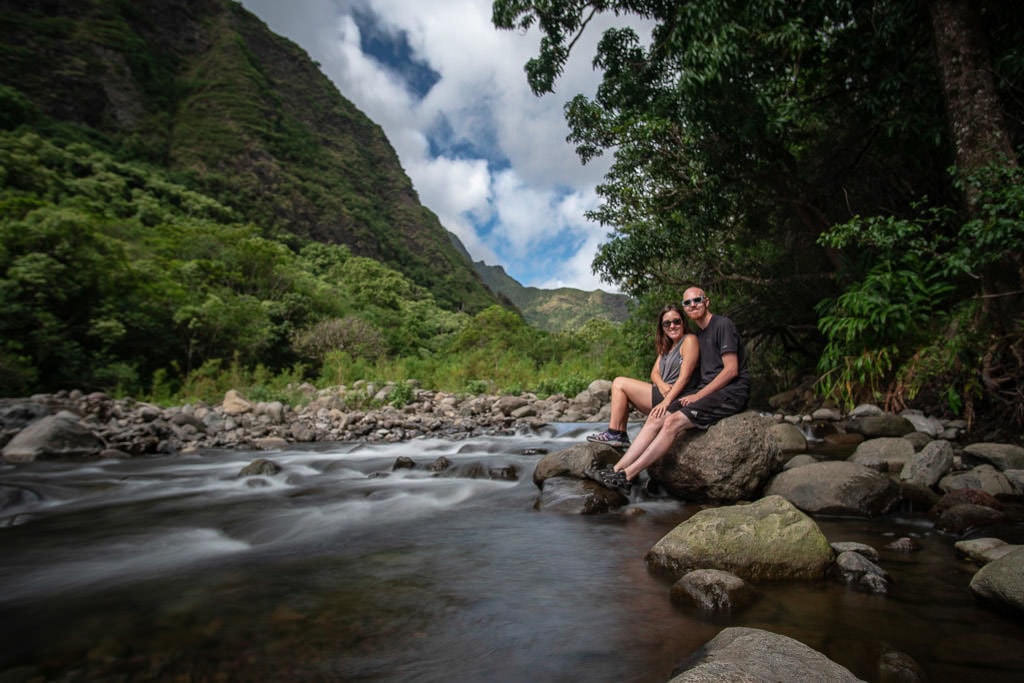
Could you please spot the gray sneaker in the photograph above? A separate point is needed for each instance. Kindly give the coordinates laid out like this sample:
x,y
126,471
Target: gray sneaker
x,y
616,480
610,439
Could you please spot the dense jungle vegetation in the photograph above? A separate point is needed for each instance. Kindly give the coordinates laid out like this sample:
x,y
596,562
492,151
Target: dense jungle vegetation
x,y
116,277
842,175
189,205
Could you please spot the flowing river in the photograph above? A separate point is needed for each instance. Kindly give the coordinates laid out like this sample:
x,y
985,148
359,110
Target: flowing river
x,y
340,569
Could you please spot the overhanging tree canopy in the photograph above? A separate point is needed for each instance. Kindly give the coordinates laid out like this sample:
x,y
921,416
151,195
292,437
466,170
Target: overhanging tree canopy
x,y
744,132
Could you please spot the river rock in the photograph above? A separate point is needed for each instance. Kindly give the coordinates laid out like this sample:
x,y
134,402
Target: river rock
x,y
751,655
878,426
729,462
903,544
981,551
16,414
799,461
860,572
577,496
918,440
235,404
836,487
965,517
966,496
766,540
922,423
899,667
866,410
573,461
506,405
1001,581
790,438
984,477
1003,456
601,389
1016,479
930,465
885,454
853,547
830,414
54,436
711,590
261,467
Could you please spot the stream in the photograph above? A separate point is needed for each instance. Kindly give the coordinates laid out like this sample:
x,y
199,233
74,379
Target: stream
x,y
341,569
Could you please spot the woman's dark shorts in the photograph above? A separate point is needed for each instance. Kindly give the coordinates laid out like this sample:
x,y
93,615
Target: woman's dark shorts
x,y
656,396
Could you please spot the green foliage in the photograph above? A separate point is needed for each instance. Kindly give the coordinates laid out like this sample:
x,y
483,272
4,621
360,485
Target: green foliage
x,y
227,220
401,394
742,132
903,324
353,335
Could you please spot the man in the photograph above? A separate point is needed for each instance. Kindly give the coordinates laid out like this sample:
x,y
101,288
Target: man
x,y
723,390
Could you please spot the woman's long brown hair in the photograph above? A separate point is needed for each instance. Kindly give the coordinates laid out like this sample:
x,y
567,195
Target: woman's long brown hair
x,y
662,342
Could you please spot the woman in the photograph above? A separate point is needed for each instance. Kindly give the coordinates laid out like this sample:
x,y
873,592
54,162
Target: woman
x,y
672,374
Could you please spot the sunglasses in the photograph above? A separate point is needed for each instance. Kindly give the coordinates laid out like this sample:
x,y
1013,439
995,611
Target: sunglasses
x,y
675,322
695,301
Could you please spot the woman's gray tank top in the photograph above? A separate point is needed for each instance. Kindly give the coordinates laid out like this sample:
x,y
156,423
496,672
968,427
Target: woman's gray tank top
x,y
669,364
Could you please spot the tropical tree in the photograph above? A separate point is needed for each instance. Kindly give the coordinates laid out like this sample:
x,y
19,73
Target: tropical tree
x,y
745,132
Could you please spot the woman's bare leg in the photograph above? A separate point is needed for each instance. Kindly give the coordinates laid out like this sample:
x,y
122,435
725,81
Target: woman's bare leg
x,y
626,390
647,434
658,446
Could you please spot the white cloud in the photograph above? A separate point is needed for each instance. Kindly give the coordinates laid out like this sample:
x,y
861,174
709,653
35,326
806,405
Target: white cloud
x,y
506,181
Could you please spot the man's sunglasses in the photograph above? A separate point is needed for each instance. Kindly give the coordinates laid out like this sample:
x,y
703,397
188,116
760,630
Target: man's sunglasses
x,y
695,301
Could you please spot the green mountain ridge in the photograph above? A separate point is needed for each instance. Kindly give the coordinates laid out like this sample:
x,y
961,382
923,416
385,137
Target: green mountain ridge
x,y
555,310
205,89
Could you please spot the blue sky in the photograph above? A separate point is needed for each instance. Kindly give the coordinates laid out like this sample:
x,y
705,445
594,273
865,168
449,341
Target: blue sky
x,y
486,155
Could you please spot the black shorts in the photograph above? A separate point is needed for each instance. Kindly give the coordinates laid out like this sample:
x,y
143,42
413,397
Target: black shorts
x,y
706,411
656,396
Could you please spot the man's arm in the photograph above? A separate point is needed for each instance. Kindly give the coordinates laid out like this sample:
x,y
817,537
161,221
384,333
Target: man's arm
x,y
730,369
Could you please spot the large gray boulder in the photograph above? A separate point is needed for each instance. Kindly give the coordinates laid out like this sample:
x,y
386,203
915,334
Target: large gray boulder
x,y
731,461
929,466
885,454
60,436
877,426
836,487
1003,456
751,655
572,461
1001,581
570,495
984,477
790,438
711,590
766,540
981,551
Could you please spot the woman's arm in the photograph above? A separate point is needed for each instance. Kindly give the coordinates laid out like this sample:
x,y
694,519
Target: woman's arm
x,y
690,351
656,379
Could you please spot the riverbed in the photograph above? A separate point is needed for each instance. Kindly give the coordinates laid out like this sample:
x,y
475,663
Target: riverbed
x,y
340,568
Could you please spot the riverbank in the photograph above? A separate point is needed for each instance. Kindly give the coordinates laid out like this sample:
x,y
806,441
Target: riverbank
x,y
363,413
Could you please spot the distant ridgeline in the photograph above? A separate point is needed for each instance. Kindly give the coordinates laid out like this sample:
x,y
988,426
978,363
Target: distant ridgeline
x,y
204,90
554,310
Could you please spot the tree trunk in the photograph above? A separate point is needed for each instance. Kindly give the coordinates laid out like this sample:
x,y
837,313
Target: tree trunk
x,y
975,114
980,139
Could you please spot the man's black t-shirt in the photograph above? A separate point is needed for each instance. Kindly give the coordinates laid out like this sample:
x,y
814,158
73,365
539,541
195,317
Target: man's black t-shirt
x,y
717,339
